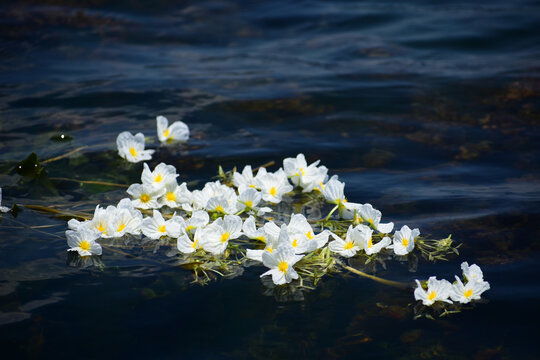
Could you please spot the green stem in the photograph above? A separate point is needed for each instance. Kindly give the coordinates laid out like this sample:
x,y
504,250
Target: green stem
x,y
331,212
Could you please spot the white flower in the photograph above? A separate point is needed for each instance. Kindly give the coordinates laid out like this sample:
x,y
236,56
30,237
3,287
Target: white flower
x,y
177,131
404,240
99,222
437,290
250,198
281,262
123,221
2,208
84,242
354,241
273,186
212,189
156,227
271,243
131,147
472,273
333,192
144,196
246,179
217,235
321,185
367,238
198,219
367,213
299,226
175,196
251,231
307,177
187,246
162,175
470,291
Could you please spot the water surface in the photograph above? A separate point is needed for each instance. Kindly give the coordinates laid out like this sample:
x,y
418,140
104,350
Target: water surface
x,y
427,110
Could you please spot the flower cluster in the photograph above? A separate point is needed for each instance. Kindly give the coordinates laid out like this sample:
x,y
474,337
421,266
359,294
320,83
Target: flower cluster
x,y
443,290
234,216
131,147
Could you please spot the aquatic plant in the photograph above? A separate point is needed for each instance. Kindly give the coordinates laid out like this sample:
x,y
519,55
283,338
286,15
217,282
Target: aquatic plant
x,y
247,219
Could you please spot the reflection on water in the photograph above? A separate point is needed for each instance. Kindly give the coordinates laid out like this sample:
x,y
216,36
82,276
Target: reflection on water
x,y
427,111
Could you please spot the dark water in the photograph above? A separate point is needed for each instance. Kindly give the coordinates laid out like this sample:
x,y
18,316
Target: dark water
x,y
427,110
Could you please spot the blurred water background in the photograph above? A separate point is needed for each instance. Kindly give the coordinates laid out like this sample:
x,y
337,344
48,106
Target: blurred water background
x,y
429,110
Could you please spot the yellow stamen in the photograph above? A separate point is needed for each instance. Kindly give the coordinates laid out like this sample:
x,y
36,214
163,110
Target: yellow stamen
x,y
370,221
225,237
348,245
132,151
468,293
101,228
252,186
220,209
171,196
283,266
431,295
302,171
309,235
273,191
162,228
189,227
294,243
370,243
269,249
145,198
121,227
158,178
85,245
166,133
194,245
249,204
261,238
405,242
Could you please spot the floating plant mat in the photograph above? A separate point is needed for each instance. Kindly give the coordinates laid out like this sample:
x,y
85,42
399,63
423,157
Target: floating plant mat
x,y
295,224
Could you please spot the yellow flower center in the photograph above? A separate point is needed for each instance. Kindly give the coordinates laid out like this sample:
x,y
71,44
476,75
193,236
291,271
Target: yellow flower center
x,y
370,243
162,228
468,293
431,295
225,236
194,245
283,266
269,249
189,227
171,196
121,227
348,245
405,242
302,171
273,191
85,245
294,243
101,228
252,186
132,151
249,204
145,198
220,209
158,178
166,133
370,221
309,235
261,238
